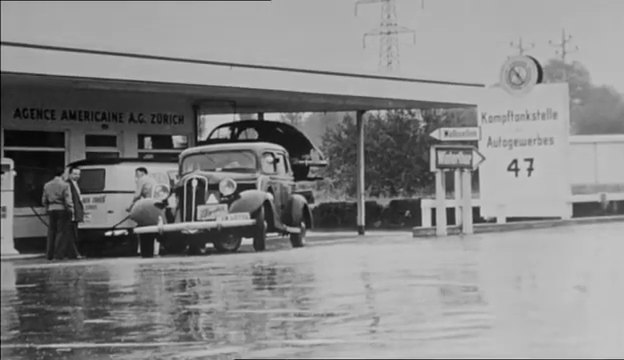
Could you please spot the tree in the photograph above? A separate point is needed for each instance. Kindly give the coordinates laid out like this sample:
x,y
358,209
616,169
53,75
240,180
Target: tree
x,y
593,109
396,150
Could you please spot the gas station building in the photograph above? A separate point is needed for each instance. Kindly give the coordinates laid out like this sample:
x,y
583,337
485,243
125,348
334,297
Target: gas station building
x,y
62,104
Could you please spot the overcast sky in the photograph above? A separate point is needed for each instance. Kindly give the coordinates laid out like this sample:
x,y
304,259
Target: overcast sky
x,y
459,40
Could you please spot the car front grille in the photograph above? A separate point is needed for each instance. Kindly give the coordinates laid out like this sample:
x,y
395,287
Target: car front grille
x,y
195,189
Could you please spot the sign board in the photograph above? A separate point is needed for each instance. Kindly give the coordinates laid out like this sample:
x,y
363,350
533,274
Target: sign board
x,y
456,134
525,141
450,157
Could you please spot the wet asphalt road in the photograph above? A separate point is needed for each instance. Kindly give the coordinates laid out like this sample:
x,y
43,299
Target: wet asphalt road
x,y
551,293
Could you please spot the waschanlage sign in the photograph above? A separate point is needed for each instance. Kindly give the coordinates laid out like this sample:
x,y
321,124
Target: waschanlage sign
x,y
525,141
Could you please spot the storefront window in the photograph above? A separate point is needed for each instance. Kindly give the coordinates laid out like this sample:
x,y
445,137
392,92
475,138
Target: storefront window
x,y
33,169
36,155
161,156
161,147
101,141
96,155
101,147
39,139
162,142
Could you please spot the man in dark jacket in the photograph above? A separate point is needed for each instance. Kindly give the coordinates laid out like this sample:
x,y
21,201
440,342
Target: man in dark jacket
x,y
78,215
58,203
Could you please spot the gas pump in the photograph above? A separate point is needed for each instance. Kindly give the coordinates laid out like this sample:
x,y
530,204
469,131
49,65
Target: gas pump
x,y
8,173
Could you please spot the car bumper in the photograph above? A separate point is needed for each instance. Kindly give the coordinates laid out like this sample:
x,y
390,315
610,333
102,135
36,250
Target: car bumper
x,y
193,227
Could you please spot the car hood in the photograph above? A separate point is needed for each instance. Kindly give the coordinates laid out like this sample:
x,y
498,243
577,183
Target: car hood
x,y
294,141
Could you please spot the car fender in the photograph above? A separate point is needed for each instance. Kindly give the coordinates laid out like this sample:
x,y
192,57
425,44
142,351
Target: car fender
x,y
145,212
250,201
296,211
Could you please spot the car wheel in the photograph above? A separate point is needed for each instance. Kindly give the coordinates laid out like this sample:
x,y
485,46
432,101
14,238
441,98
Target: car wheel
x,y
259,234
298,240
147,246
228,243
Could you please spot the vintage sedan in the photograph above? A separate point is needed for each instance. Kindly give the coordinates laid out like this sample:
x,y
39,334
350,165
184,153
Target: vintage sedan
x,y
232,188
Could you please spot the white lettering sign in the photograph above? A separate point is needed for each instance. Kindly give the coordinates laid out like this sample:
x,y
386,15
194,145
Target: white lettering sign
x,y
455,158
525,141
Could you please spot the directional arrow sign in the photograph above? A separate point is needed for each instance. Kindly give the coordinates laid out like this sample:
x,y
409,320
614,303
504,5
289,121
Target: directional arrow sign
x,y
456,157
457,134
477,159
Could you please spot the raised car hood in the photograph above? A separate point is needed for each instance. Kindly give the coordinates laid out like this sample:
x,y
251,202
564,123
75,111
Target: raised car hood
x,y
294,141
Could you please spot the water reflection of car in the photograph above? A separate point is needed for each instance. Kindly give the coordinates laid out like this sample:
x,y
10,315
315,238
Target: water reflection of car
x,y
232,187
107,187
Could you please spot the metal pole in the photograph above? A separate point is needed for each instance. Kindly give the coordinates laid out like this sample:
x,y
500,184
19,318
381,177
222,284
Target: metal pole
x,y
196,123
440,203
458,196
361,216
467,202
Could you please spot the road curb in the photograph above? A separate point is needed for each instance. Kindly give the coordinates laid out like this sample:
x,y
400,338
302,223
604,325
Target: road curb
x,y
514,226
13,257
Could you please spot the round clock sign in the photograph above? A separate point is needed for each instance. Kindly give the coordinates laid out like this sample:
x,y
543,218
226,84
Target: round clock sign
x,y
520,74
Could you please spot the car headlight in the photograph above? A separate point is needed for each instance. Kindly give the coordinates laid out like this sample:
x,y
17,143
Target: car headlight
x,y
161,192
227,187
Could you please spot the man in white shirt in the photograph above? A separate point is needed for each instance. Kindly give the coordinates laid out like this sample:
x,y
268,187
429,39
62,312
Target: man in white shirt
x,y
145,186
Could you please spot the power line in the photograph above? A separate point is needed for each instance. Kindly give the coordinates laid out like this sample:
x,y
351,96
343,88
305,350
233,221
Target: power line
x,y
562,47
388,32
521,49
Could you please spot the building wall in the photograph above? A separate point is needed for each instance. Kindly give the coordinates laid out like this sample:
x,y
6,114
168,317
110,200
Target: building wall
x,y
76,113
597,161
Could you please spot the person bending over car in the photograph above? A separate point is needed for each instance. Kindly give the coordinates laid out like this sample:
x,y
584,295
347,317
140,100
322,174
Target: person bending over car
x,y
145,186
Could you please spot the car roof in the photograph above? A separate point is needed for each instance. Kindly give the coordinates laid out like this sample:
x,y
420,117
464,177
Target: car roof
x,y
255,146
119,161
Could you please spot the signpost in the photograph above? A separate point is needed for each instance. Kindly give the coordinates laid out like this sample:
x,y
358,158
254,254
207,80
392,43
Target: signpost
x,y
457,134
461,159
524,135
523,132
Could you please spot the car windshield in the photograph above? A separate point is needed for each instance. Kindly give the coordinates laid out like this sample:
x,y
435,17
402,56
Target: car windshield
x,y
244,161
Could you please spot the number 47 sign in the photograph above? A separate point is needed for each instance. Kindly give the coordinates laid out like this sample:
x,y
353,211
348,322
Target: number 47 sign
x,y
513,167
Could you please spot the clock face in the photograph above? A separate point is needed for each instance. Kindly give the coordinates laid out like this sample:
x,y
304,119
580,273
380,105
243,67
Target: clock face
x,y
520,74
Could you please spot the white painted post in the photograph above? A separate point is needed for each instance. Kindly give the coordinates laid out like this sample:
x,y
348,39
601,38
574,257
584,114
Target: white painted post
x,y
458,196
467,225
440,203
425,213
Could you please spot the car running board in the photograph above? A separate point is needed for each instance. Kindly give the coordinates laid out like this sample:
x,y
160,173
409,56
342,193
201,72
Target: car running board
x,y
293,230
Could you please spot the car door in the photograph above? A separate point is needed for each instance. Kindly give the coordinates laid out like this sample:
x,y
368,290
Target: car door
x,y
274,169
284,178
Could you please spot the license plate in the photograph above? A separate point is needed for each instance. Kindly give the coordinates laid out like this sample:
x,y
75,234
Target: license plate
x,y
234,216
211,212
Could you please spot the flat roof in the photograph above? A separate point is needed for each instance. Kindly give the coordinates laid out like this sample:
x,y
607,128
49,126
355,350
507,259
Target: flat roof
x,y
224,87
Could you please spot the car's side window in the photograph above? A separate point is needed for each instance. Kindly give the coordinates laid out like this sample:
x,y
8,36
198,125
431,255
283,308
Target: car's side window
x,y
286,162
281,166
221,133
269,163
248,134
